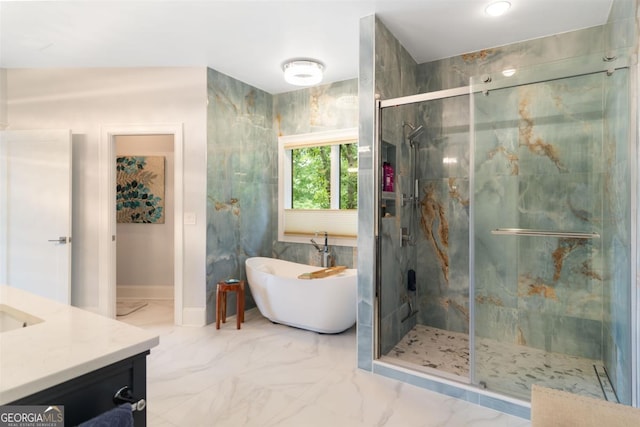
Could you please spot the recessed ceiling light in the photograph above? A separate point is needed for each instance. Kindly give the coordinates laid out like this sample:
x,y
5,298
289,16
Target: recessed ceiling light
x,y
508,72
303,72
497,8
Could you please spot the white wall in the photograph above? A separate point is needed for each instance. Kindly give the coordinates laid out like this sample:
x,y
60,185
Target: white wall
x,y
145,251
3,98
84,100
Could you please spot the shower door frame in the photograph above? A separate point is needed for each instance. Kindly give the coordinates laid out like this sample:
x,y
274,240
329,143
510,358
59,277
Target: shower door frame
x,y
486,85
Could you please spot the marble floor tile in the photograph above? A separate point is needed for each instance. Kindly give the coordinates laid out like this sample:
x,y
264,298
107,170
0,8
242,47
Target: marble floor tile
x,y
273,375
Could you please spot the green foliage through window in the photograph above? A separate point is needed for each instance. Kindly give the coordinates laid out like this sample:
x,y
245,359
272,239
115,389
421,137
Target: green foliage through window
x,y
349,176
311,177
311,180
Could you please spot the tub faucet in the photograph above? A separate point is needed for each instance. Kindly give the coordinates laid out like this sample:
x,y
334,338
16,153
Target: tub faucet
x,y
315,245
326,256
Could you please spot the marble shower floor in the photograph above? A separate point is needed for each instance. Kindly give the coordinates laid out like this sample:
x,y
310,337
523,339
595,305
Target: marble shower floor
x,y
272,375
504,368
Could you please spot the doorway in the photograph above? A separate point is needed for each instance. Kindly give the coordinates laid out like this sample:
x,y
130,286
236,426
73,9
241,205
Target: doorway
x,y
109,255
144,221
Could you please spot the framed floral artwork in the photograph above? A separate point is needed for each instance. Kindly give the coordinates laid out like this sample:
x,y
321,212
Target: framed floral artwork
x,y
140,189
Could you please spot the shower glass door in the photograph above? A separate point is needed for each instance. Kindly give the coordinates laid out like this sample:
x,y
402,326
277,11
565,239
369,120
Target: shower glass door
x,y
551,231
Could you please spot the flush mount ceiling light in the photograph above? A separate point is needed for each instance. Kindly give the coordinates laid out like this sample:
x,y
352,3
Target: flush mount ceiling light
x,y
303,72
497,8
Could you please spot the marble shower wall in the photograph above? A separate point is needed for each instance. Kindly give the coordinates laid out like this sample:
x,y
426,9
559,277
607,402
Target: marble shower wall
x,y
442,228
443,242
395,76
539,165
621,33
557,159
617,330
457,71
621,30
442,268
561,295
441,254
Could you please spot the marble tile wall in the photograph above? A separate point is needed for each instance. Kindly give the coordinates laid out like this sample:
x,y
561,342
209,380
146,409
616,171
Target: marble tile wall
x,y
502,313
457,71
316,109
366,194
442,263
395,76
242,177
621,29
442,230
549,288
444,301
621,32
618,240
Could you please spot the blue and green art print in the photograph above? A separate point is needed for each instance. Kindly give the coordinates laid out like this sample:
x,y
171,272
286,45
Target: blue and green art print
x,y
140,189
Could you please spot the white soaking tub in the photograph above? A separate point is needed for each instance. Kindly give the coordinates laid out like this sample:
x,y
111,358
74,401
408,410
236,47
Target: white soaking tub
x,y
326,305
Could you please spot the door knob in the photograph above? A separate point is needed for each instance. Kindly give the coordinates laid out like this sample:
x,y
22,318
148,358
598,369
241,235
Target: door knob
x,y
62,240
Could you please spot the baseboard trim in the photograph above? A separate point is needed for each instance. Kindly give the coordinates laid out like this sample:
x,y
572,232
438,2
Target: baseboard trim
x,y
193,316
144,292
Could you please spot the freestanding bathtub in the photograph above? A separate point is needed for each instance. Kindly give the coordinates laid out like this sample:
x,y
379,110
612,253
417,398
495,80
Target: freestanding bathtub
x,y
326,305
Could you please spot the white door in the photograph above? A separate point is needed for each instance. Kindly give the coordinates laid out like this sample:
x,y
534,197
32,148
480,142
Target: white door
x,y
35,212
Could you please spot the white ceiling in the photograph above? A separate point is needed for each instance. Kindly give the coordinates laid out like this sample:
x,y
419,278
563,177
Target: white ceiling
x,y
249,40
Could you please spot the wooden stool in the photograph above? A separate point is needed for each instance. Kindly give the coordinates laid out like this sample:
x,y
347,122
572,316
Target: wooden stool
x,y
221,301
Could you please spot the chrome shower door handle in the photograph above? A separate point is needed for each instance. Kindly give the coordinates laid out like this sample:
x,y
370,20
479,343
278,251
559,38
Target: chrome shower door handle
x,y
62,240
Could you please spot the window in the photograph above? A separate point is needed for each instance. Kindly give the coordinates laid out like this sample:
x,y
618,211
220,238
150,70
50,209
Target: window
x,y
318,186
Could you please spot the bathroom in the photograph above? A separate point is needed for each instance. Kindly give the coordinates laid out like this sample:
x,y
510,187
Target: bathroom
x,y
239,219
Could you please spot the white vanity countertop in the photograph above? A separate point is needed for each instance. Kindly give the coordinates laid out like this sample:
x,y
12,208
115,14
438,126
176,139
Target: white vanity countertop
x,y
68,343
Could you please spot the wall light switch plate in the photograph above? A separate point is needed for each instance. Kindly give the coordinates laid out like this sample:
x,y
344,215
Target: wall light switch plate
x,y
189,218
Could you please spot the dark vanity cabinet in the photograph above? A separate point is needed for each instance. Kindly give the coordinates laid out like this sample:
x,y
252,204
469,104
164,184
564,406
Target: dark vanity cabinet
x,y
92,394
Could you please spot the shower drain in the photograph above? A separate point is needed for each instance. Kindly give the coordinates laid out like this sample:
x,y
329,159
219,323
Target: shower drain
x,y
608,391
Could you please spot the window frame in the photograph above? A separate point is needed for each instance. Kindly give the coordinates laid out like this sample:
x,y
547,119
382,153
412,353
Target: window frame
x,y
346,236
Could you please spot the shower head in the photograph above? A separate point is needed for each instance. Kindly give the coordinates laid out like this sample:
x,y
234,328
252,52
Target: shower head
x,y
415,131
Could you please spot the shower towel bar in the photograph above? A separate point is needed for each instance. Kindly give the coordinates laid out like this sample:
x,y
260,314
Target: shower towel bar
x,y
544,233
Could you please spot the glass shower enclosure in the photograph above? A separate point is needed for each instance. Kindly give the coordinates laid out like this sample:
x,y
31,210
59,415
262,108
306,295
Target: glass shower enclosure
x,y
505,247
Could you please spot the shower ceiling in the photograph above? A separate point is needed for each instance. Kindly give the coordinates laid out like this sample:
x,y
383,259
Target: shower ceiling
x,y
249,40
